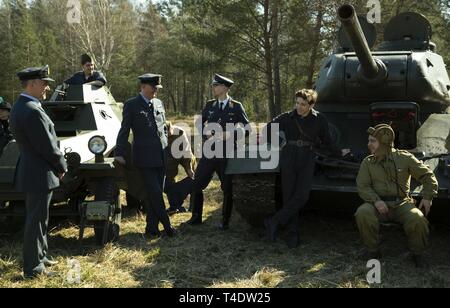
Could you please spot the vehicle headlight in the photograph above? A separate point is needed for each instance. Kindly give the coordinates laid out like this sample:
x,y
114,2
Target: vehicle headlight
x,y
97,145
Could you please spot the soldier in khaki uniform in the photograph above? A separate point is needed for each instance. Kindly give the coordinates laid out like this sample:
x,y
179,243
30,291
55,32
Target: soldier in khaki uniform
x,y
384,184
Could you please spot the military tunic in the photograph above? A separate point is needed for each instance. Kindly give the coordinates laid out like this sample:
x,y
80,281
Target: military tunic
x,y
233,113
147,121
37,172
389,180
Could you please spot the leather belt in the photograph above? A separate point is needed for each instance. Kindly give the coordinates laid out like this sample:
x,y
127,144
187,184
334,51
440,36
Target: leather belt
x,y
391,199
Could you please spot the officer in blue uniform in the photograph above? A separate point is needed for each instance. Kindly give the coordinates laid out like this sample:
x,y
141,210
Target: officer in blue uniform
x,y
145,116
5,133
40,167
222,110
88,75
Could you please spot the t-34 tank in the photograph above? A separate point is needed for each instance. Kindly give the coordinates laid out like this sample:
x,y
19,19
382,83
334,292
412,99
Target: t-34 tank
x,y
87,121
404,83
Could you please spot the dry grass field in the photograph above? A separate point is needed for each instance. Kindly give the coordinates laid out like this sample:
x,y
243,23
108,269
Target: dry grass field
x,y
206,257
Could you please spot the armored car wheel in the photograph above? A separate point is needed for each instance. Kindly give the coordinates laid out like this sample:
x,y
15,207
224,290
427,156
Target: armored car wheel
x,y
108,231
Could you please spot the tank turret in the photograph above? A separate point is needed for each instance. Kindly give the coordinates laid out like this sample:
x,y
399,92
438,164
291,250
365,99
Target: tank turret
x,y
403,82
371,70
404,68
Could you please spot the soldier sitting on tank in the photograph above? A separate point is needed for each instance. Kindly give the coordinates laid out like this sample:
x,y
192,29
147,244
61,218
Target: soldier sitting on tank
x,y
5,134
88,75
306,131
384,184
179,152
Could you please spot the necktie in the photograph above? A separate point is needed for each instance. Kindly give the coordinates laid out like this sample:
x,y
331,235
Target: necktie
x,y
151,106
222,105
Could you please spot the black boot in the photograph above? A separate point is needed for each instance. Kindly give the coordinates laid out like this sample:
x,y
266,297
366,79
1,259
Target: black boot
x,y
169,232
224,225
227,209
197,210
195,220
271,229
293,241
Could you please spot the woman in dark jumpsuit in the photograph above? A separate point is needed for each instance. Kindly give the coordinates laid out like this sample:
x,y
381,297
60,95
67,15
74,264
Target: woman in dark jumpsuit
x,y
306,131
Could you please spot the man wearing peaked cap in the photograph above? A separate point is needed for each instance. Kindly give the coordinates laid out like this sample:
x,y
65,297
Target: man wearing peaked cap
x,y
5,133
88,75
146,117
40,167
221,80
35,73
222,110
151,79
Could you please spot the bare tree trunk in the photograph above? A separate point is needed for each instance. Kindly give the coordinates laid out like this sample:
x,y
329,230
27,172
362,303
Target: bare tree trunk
x,y
276,55
315,45
399,6
268,59
174,102
184,104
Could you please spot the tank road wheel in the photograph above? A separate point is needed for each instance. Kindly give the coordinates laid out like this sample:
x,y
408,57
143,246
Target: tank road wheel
x,y
108,231
255,197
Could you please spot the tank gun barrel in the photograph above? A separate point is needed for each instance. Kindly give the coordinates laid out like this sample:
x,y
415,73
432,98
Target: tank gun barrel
x,y
371,69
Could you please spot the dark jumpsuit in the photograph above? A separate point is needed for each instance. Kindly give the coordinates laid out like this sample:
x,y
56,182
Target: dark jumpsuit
x,y
298,162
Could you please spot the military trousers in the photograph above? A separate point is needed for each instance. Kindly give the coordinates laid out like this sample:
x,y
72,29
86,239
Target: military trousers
x,y
177,192
35,244
203,176
153,179
407,214
297,171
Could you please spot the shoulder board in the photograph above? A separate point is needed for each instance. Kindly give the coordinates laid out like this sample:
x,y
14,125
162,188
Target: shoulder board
x,y
234,103
210,103
131,100
403,152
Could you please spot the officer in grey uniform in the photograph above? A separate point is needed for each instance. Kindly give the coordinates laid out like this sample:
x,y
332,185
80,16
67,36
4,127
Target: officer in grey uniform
x,y
145,116
40,167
